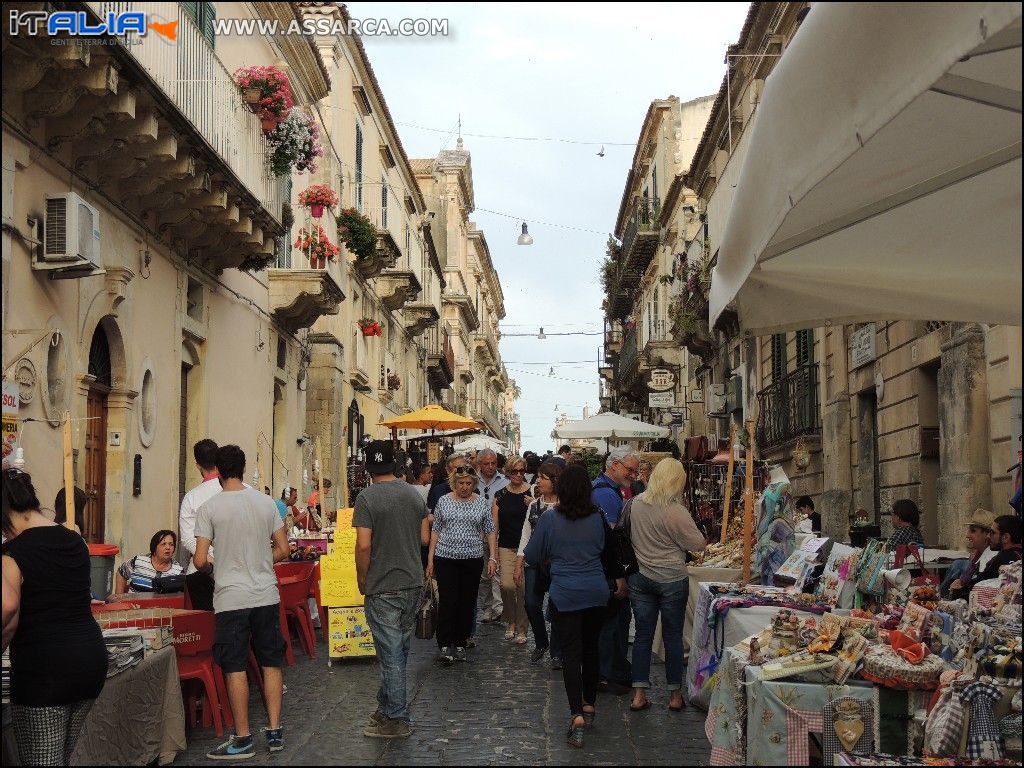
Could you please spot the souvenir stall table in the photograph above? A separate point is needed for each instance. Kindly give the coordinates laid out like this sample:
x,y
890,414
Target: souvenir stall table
x,y
138,718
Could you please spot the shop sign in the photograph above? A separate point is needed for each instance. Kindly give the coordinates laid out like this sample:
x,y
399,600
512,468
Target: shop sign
x,y
10,420
862,345
677,419
661,379
662,399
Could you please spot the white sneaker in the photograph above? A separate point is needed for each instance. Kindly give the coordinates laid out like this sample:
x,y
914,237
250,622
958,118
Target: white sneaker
x,y
510,633
521,640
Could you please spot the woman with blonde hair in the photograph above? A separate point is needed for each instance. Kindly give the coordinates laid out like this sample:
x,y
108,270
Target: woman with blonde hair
x,y
662,532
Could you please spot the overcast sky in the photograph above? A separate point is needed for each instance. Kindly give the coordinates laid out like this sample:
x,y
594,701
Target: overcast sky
x,y
569,72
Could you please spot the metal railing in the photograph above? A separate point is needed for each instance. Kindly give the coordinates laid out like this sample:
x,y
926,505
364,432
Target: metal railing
x,y
643,221
658,329
788,408
629,354
195,80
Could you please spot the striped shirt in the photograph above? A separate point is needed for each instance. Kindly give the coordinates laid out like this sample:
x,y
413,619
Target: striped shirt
x,y
142,565
460,527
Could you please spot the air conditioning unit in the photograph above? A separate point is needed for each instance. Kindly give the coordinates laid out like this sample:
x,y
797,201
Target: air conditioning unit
x,y
71,238
735,396
717,400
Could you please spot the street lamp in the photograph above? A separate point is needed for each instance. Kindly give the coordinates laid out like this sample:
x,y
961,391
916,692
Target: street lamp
x,y
525,238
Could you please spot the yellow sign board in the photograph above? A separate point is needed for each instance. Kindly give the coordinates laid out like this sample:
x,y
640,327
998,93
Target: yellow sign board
x,y
349,635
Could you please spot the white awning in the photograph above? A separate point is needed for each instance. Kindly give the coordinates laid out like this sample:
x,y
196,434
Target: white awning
x,y
611,425
481,443
883,175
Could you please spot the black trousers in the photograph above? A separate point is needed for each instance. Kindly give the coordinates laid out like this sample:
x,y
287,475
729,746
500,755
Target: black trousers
x,y
457,583
578,633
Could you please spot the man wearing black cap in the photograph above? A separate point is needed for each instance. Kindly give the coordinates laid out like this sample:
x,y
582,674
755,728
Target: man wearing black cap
x,y
391,523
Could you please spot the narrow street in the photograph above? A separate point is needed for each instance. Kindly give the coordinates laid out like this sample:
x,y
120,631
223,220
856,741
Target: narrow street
x,y
496,710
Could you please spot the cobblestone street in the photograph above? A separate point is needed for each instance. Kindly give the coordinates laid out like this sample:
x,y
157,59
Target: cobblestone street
x,y
497,709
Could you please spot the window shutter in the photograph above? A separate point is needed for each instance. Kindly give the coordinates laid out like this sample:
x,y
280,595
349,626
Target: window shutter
x,y
804,347
778,356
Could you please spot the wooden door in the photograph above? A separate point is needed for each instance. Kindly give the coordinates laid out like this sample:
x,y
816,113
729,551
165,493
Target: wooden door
x,y
96,465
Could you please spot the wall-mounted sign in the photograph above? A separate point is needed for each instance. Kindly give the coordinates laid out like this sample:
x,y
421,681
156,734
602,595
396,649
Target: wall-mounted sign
x,y
661,379
862,346
10,420
662,399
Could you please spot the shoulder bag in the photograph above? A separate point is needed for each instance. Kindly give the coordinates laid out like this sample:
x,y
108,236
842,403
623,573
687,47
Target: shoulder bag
x,y
870,579
426,617
624,543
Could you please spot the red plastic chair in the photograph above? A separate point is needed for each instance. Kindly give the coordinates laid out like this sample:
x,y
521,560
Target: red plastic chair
x,y
289,569
194,633
294,591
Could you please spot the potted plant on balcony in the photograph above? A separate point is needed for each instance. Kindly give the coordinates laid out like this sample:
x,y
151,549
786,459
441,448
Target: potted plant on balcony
x,y
370,327
318,197
357,232
267,92
295,143
315,244
394,382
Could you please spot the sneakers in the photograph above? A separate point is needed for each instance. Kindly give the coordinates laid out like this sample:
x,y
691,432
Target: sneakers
x,y
275,741
377,718
460,654
538,654
556,663
520,640
489,618
510,633
446,657
235,748
388,729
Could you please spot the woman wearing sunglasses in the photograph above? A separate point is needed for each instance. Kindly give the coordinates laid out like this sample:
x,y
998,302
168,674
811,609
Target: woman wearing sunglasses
x,y
461,520
509,513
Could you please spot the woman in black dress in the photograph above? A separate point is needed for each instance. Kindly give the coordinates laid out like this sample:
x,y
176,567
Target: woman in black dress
x,y
58,657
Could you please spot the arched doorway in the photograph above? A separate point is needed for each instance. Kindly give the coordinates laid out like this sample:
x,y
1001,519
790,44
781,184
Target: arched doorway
x,y
95,486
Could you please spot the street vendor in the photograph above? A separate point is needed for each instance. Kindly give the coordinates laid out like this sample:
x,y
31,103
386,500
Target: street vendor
x,y
956,585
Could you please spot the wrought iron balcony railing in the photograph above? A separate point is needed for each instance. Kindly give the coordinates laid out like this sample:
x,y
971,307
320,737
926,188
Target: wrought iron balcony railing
x,y
643,222
788,408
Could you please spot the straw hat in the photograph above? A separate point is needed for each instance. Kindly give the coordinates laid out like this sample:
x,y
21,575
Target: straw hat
x,y
981,518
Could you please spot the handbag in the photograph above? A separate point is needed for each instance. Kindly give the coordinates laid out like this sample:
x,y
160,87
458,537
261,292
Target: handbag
x,y
542,583
870,578
908,551
624,544
166,584
426,617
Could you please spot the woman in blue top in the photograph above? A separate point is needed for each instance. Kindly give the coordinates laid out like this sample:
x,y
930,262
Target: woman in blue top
x,y
455,558
574,541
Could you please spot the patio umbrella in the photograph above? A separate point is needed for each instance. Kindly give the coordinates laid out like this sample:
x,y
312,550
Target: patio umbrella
x,y
431,417
480,443
881,175
611,425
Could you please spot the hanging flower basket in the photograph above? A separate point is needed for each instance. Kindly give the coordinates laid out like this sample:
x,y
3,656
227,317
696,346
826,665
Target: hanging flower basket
x,y
295,143
266,92
268,124
370,327
315,244
318,197
394,382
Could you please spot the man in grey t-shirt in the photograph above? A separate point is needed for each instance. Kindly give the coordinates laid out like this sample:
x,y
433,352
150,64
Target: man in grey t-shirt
x,y
250,538
390,519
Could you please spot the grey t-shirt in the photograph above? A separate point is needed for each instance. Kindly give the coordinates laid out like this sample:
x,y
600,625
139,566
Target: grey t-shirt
x,y
241,524
394,512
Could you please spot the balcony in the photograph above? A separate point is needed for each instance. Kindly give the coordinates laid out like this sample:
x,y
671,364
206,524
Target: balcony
x,y
612,337
180,151
397,287
485,413
486,347
659,338
620,291
298,297
629,358
440,359
460,309
788,409
386,253
419,317
640,235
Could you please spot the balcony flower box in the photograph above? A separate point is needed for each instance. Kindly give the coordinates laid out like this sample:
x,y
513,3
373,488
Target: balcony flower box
x,y
394,382
318,197
370,327
295,143
357,232
316,245
266,91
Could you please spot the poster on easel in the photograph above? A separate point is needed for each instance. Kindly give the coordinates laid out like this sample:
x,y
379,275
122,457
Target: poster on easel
x,y
349,635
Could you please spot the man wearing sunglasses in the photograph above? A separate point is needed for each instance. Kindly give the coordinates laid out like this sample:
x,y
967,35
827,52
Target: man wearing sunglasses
x,y
490,481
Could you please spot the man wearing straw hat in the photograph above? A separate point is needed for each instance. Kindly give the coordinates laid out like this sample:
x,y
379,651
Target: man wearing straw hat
x,y
957,584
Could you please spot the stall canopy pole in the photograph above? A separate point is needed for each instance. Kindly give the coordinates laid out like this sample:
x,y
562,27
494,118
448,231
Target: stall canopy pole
x,y
69,475
728,484
748,502
319,486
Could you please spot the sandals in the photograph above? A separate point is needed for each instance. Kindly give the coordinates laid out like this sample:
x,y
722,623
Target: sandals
x,y
588,719
680,708
574,738
642,707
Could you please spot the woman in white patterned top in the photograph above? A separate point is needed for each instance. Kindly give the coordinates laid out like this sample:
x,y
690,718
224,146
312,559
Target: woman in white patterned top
x,y
159,562
461,520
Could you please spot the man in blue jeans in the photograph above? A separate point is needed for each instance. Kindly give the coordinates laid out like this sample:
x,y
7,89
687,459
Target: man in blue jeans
x,y
621,468
390,519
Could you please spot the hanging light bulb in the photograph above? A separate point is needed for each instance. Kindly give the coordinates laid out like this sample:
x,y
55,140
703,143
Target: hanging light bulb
x,y
541,334
524,239
552,371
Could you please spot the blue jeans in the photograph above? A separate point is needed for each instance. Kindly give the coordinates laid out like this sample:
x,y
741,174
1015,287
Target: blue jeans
x,y
535,613
650,597
392,619
954,572
613,645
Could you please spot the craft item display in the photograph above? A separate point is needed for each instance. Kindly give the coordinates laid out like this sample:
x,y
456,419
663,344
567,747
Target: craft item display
x,y
784,633
847,727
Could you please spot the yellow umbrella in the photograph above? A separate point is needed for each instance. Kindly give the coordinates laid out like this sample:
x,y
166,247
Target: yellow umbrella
x,y
431,417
